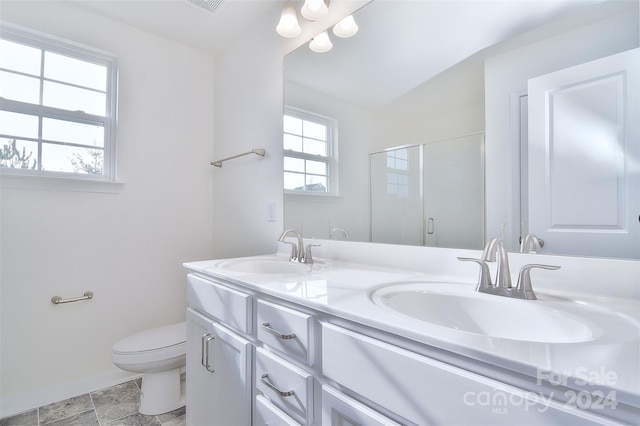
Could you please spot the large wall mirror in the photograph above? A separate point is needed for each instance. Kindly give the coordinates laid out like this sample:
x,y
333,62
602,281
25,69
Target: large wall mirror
x,y
421,74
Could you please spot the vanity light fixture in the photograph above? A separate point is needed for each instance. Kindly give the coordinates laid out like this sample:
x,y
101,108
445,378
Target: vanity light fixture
x,y
314,10
346,28
288,25
321,43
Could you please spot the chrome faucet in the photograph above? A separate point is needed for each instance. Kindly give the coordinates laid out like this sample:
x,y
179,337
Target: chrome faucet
x,y
531,244
297,251
495,251
334,230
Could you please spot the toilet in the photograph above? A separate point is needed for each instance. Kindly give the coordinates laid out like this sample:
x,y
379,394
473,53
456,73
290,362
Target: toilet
x,y
160,354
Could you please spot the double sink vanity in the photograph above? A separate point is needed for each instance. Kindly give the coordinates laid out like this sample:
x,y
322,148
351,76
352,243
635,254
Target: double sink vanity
x,y
371,334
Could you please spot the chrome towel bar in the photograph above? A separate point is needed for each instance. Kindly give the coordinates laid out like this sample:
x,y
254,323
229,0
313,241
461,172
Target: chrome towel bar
x,y
258,151
56,300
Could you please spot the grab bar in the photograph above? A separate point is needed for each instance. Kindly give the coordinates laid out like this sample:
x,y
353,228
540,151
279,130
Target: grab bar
x,y
56,300
258,151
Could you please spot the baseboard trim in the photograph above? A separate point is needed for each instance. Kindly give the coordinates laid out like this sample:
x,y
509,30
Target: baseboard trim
x,y
15,404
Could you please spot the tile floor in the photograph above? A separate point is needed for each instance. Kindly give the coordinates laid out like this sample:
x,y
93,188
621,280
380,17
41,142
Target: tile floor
x,y
114,406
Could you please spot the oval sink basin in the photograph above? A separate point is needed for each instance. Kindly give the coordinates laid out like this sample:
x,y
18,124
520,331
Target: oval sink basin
x,y
264,266
459,307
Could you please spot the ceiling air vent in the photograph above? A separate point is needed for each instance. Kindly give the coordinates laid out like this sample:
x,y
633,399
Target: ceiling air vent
x,y
208,5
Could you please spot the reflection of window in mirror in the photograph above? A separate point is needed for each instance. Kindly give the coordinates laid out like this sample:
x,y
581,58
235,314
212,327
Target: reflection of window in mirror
x,y
309,153
397,173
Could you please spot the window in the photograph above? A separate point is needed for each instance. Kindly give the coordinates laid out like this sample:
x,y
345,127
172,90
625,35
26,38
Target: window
x,y
57,107
309,154
398,173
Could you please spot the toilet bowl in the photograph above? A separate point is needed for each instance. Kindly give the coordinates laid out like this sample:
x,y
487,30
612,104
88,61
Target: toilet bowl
x,y
160,354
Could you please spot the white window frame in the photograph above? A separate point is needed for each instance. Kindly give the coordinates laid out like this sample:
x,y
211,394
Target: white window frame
x,y
332,152
84,53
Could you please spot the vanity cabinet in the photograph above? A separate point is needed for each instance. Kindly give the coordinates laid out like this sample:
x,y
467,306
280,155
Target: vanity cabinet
x,y
219,360
254,359
426,391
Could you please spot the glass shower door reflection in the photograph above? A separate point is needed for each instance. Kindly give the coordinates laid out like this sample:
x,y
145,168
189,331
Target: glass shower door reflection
x,y
396,196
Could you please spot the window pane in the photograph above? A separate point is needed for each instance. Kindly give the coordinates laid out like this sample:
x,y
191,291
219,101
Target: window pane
x,y
70,70
72,132
294,164
62,158
293,143
402,164
316,183
315,131
18,57
391,162
292,125
19,87
317,167
293,180
19,154
74,99
315,147
15,124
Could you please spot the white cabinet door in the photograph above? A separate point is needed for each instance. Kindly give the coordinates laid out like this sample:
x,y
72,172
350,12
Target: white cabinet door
x,y
584,154
218,374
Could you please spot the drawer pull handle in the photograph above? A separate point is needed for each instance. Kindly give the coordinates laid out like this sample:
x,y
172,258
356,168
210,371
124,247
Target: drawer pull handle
x,y
264,379
204,354
268,328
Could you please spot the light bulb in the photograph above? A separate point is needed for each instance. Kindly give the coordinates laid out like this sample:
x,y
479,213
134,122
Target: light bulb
x,y
321,43
346,28
288,25
314,10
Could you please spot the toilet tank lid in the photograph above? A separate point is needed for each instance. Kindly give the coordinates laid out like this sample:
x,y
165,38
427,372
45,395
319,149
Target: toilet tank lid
x,y
155,338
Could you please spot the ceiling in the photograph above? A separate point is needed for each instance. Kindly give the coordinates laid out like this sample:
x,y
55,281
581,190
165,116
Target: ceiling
x,y
402,44
185,22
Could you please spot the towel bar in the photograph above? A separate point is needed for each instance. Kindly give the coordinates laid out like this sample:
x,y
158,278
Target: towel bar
x,y
56,300
258,151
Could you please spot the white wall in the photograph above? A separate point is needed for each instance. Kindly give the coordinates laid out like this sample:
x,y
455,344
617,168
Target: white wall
x,y
248,114
449,105
350,210
505,73
126,247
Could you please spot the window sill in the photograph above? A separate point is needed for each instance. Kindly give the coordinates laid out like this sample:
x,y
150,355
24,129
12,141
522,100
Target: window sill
x,y
312,197
49,183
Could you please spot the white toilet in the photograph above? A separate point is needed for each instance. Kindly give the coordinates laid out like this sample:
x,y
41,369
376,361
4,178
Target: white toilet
x,y
159,353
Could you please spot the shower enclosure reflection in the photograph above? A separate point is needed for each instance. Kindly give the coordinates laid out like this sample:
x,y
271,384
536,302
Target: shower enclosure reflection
x,y
429,194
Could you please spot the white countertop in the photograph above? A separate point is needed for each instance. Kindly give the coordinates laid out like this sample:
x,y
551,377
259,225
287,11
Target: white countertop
x,y
610,360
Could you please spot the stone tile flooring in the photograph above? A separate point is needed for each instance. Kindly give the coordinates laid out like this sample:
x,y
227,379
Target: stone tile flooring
x,y
114,406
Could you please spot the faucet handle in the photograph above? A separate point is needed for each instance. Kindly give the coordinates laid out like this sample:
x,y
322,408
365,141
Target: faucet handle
x,y
307,253
524,279
484,279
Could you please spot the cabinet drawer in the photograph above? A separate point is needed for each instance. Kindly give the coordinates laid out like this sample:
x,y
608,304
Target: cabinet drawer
x,y
269,414
287,386
286,330
340,410
425,391
229,306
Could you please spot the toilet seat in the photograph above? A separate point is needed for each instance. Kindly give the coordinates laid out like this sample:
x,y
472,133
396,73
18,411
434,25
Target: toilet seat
x,y
157,344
